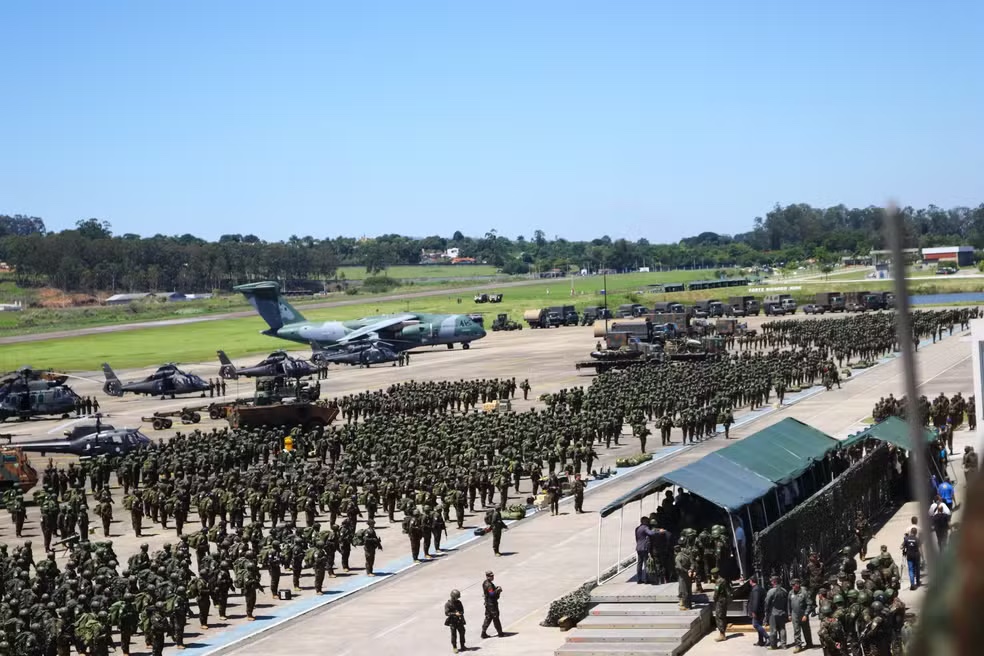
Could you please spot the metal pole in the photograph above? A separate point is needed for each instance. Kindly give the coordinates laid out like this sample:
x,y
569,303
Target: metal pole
x,y
598,579
765,511
751,524
741,554
605,283
618,557
903,326
778,501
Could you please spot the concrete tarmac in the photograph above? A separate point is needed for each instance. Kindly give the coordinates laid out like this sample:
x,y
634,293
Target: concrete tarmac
x,y
550,556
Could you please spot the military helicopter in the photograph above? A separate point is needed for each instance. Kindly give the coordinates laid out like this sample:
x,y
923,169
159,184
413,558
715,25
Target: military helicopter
x,y
28,393
168,380
91,439
277,363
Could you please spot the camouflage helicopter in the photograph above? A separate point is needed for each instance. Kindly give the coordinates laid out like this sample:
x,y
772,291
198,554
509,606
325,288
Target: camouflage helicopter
x,y
28,393
168,380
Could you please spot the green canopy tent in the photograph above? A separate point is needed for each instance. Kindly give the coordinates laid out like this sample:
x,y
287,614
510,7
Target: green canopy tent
x,y
892,430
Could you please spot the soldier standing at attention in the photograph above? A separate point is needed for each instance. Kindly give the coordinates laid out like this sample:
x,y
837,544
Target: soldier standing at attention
x,y
800,607
525,386
722,597
370,544
578,489
497,525
684,569
491,593
454,617
776,609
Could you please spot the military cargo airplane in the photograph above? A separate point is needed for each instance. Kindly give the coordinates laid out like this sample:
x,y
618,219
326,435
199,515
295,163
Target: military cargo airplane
x,y
30,393
91,440
277,363
168,380
362,341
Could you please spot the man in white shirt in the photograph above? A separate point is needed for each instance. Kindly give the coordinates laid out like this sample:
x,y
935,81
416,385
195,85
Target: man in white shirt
x,y
939,519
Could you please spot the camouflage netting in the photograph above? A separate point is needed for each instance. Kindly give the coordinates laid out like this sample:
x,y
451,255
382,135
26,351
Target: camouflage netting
x,y
575,604
825,523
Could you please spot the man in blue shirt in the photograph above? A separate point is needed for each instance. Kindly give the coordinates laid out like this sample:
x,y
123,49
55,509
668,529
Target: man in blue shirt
x,y
946,492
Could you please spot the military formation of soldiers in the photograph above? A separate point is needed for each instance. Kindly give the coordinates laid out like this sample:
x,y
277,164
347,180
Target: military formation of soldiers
x,y
422,449
944,414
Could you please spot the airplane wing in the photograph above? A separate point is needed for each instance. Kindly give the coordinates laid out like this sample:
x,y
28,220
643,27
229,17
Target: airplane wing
x,y
389,323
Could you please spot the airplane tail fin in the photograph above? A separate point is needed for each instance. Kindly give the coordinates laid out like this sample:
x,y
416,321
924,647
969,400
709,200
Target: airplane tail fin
x,y
227,370
265,299
113,386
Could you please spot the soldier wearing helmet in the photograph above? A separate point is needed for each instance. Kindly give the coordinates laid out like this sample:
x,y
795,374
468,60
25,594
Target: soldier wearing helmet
x,y
454,617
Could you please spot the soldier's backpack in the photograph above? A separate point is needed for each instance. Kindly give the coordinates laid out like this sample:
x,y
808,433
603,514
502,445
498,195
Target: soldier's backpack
x,y
488,517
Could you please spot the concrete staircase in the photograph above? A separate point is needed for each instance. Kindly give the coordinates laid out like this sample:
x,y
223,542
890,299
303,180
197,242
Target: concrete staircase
x,y
627,619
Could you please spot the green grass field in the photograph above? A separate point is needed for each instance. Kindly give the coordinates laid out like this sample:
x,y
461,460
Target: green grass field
x,y
198,342
423,271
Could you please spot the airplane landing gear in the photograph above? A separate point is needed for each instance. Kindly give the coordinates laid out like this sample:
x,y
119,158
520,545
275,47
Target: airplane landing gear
x,y
450,347
465,346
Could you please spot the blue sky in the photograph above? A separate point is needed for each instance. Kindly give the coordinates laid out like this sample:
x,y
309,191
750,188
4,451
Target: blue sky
x,y
634,119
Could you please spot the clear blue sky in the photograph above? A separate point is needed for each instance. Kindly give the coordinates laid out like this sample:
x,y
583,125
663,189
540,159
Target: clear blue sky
x,y
638,119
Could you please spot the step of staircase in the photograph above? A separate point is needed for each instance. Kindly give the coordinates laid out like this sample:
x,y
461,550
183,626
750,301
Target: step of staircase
x,y
615,649
670,637
642,608
682,623
647,594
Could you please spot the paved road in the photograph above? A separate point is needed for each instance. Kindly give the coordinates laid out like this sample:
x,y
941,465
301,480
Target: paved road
x,y
549,556
360,300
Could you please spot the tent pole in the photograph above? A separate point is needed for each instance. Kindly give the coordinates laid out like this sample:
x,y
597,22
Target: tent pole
x,y
618,557
778,502
765,511
751,526
598,579
741,555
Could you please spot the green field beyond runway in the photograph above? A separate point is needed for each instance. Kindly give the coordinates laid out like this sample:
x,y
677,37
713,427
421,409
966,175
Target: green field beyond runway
x,y
198,341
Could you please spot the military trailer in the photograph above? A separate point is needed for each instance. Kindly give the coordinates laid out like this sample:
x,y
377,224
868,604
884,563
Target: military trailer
x,y
306,415
829,301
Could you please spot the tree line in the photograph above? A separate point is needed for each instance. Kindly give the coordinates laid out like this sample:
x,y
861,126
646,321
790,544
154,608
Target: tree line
x,y
89,257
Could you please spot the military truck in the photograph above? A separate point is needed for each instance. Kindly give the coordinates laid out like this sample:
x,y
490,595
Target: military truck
x,y
629,310
784,301
863,301
888,300
568,314
742,306
593,313
710,307
829,301
640,329
669,307
772,309
16,470
543,318
503,322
